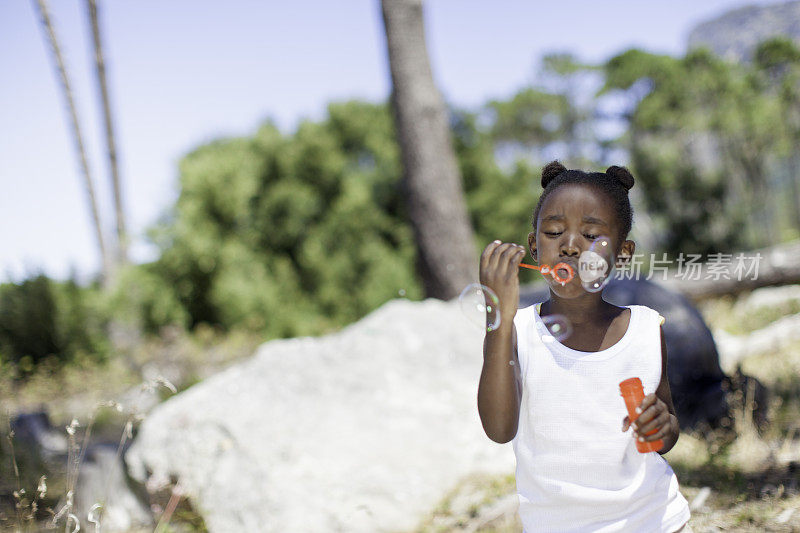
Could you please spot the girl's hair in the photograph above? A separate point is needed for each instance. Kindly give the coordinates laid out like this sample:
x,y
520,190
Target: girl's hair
x,y
614,182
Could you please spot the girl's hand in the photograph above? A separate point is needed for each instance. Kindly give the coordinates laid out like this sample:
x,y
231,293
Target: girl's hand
x,y
654,415
499,271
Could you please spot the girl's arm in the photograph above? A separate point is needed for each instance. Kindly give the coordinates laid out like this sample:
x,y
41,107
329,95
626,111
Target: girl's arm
x,y
658,411
500,386
672,429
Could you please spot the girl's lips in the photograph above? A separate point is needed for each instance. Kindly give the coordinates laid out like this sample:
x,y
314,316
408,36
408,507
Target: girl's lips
x,y
563,272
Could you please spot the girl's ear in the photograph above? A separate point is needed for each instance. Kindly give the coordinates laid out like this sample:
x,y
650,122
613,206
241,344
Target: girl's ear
x,y
626,251
532,245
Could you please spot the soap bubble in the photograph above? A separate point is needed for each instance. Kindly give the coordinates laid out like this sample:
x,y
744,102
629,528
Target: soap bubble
x,y
558,327
480,305
596,265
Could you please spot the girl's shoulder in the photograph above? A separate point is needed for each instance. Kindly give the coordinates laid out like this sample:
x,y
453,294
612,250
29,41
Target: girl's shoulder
x,y
525,314
647,313
642,312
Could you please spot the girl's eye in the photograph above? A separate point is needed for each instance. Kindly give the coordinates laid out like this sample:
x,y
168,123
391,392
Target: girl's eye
x,y
591,237
552,233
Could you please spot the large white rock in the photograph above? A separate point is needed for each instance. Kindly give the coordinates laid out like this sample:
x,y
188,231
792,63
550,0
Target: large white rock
x,y
361,430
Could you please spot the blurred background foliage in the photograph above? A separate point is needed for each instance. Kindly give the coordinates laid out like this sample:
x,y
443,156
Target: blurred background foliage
x,y
47,322
712,145
288,234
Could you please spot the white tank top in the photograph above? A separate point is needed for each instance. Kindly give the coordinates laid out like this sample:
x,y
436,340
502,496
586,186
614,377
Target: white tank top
x,y
576,471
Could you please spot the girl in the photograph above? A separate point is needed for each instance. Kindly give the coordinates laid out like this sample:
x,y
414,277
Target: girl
x,y
560,402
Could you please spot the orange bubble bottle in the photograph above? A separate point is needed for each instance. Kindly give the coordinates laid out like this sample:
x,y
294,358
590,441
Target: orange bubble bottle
x,y
633,394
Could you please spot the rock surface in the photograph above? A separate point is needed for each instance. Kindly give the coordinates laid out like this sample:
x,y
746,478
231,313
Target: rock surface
x,y
362,430
735,34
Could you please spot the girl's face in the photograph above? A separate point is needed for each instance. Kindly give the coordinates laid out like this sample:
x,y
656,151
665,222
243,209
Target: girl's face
x,y
570,219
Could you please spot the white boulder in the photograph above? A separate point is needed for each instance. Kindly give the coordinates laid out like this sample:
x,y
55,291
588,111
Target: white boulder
x,y
361,430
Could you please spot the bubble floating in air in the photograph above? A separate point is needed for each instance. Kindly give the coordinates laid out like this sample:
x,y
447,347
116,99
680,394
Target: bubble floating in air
x,y
596,265
480,304
558,328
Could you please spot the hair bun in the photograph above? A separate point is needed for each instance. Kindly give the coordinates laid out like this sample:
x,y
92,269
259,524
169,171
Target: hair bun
x,y
551,171
622,175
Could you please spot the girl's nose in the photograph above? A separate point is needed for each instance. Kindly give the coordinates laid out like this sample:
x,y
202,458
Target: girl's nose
x,y
569,246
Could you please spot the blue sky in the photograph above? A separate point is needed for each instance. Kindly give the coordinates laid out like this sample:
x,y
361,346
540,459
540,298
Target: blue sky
x,y
184,72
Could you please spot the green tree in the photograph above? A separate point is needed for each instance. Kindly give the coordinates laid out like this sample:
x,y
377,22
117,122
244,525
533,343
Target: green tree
x,y
558,112
531,117
290,235
500,202
44,320
293,234
700,135
778,63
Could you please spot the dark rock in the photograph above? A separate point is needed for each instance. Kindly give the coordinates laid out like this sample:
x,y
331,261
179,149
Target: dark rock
x,y
699,386
42,449
33,431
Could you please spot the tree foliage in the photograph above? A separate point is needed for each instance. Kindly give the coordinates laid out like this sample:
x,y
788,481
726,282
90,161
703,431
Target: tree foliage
x,y
298,233
702,138
291,234
301,233
284,234
43,320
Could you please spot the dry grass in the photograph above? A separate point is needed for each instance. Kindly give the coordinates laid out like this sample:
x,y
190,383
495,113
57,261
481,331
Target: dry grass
x,y
101,403
74,390
479,502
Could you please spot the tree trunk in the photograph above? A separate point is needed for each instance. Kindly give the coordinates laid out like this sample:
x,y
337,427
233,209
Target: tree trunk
x,y
431,177
121,250
76,134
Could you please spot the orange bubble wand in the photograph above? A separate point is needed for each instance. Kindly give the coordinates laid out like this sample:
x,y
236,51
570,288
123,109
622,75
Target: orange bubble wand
x,y
545,269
